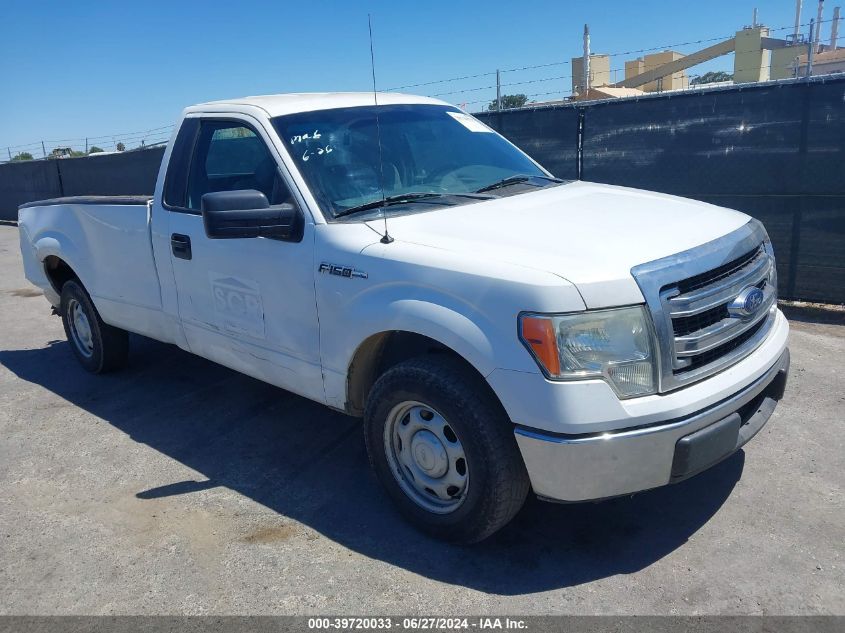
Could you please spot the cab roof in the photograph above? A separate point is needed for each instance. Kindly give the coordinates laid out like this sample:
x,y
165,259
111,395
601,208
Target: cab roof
x,y
291,103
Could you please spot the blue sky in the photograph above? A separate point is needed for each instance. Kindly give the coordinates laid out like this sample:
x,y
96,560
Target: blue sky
x,y
83,68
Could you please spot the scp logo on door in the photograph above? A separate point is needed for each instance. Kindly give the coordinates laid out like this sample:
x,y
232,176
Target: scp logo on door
x,y
237,305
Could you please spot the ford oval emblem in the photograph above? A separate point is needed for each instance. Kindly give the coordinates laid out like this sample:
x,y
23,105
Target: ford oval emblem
x,y
746,303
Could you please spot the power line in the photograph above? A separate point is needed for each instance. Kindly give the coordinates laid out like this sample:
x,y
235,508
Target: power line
x,y
111,140
610,71
691,87
122,136
616,54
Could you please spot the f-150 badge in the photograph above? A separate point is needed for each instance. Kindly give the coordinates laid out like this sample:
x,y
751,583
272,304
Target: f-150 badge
x,y
342,271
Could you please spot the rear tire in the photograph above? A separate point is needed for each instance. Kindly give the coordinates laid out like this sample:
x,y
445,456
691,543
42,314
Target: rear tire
x,y
98,347
443,447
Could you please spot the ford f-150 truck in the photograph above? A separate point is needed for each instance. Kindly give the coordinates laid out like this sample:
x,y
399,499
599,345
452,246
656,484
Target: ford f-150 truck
x,y
498,330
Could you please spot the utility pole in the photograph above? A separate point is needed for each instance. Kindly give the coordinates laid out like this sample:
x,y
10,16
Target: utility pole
x,y
810,49
86,144
498,91
586,80
43,149
9,149
834,28
797,19
817,40
754,19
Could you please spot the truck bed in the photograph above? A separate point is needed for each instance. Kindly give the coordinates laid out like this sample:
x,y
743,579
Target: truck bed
x,y
106,241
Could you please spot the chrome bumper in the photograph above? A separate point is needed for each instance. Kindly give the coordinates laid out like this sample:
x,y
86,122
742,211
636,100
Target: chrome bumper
x,y
601,465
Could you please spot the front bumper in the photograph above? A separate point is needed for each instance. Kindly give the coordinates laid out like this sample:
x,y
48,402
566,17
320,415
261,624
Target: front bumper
x,y
600,465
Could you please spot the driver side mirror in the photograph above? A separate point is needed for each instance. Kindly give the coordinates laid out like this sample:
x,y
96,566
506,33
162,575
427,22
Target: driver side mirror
x,y
245,213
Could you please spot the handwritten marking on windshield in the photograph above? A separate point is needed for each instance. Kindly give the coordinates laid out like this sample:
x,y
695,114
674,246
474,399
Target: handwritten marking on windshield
x,y
308,153
299,138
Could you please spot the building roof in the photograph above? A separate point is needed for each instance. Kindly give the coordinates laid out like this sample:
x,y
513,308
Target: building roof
x,y
609,92
280,104
824,56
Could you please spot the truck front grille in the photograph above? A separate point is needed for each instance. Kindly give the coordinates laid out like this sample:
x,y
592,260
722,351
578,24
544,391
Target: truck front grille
x,y
713,355
689,297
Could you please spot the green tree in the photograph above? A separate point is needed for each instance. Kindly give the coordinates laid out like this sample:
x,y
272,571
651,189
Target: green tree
x,y
509,101
95,150
120,147
711,77
22,156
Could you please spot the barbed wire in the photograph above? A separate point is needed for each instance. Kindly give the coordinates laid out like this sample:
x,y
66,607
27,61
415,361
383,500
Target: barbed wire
x,y
690,87
158,135
615,54
126,136
105,142
610,71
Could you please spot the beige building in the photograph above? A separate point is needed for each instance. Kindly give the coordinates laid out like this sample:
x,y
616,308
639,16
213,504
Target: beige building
x,y
675,81
599,72
783,61
751,60
792,62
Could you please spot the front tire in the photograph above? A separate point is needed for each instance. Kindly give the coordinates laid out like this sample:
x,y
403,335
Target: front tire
x,y
98,347
443,447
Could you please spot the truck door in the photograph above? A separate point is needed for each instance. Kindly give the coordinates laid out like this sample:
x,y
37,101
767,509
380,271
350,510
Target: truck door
x,y
248,303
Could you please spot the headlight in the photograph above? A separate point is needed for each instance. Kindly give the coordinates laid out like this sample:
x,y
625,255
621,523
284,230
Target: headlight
x,y
614,345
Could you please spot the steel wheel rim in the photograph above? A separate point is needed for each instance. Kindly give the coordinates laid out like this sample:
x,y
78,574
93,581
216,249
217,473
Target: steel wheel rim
x,y
426,457
80,329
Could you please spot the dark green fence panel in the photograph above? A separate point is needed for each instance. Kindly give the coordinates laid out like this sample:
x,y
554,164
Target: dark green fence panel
x,y
549,135
24,182
126,173
775,151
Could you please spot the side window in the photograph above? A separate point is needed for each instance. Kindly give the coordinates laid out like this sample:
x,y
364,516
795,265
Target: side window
x,y
228,156
176,180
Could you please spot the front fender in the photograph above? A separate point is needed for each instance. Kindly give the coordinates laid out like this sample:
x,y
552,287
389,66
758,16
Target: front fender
x,y
438,322
347,330
468,304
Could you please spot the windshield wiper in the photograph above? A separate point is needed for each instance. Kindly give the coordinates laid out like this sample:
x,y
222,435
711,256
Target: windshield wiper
x,y
514,180
402,198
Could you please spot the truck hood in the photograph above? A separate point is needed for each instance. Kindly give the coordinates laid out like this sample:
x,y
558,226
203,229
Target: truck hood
x,y
589,234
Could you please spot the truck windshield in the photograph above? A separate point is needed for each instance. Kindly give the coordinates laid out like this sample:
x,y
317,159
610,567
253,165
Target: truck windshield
x,y
425,149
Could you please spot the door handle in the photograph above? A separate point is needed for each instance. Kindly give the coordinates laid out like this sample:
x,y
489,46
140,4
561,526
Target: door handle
x,y
181,245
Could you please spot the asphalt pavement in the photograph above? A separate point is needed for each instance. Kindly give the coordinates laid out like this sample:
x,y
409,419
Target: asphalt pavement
x,y
180,487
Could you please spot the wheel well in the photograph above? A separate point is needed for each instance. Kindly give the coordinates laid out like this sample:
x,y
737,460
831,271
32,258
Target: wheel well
x,y
58,272
379,353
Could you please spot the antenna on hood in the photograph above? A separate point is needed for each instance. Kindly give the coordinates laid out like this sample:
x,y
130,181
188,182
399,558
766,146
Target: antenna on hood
x,y
385,239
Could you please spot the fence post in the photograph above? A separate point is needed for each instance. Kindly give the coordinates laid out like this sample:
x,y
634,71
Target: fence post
x,y
798,214
579,144
498,91
810,48
58,164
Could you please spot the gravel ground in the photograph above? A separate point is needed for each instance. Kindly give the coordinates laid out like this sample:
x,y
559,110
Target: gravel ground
x,y
180,487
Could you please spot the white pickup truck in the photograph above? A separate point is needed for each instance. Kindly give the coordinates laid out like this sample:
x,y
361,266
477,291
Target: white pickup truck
x,y
497,329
